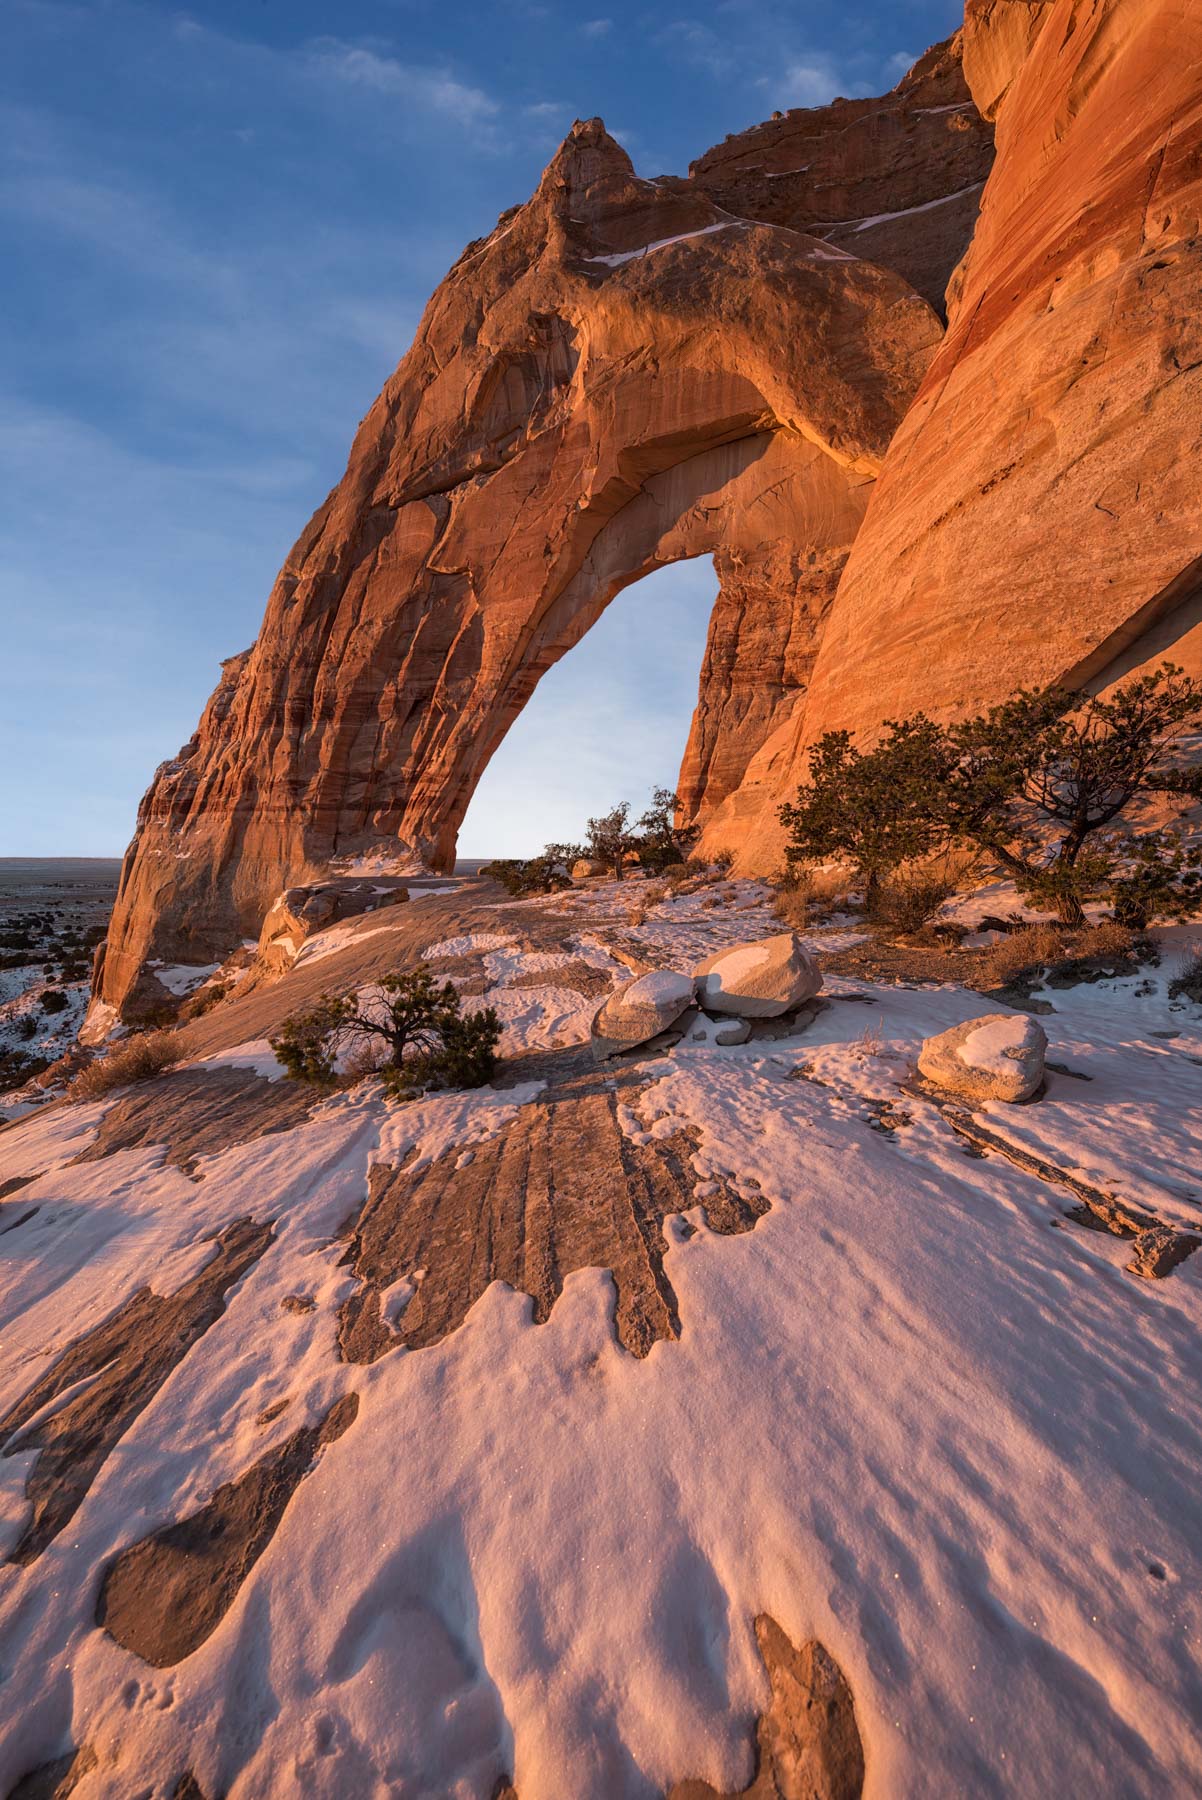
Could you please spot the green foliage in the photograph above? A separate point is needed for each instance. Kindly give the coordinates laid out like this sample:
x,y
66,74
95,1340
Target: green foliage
x,y
662,843
1035,783
1154,877
610,839
1038,777
544,874
412,1019
467,1058
874,809
307,1042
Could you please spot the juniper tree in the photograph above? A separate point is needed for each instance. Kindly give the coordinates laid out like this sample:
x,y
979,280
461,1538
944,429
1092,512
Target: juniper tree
x,y
414,1021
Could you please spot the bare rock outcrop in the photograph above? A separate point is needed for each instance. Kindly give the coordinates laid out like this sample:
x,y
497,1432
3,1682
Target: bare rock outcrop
x,y
807,1744
622,374
896,180
300,912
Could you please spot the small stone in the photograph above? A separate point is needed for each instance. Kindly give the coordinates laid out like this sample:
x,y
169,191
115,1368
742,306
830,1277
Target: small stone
x,y
717,1031
1159,1249
997,1057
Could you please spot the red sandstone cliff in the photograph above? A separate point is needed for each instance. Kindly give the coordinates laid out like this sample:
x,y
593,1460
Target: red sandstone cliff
x,y
623,373
628,372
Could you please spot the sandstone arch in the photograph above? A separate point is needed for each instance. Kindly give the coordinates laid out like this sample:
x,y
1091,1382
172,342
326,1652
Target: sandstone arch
x,y
623,374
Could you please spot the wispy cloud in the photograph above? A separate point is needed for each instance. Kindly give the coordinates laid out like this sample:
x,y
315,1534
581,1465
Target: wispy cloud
x,y
899,64
435,89
596,28
811,81
689,41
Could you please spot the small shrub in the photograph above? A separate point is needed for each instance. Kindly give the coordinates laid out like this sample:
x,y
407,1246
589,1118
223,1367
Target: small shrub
x,y
17,1067
1188,985
792,907
908,902
1106,940
407,1028
137,1058
1024,952
53,1000
204,1000
1059,954
545,874
468,1057
723,860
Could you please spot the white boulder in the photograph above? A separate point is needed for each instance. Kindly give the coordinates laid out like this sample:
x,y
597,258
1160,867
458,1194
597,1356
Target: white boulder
x,y
996,1057
759,980
640,1009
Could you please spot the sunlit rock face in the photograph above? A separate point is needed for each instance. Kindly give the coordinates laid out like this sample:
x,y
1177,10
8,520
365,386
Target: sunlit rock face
x,y
623,373
1037,518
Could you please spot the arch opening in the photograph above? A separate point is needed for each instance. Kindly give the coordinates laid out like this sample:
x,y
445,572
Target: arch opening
x,y
608,722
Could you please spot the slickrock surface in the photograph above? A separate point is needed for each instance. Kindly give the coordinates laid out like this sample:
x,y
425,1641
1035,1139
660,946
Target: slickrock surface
x,y
105,1378
1037,519
623,1431
563,1189
164,1596
623,373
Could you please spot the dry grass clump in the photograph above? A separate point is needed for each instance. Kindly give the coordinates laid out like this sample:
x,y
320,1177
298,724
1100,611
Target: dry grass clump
x,y
792,907
909,902
1057,950
139,1058
1188,984
1034,947
805,893
204,1000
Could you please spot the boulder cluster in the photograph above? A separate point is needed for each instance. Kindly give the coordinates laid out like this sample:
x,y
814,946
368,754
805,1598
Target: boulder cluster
x,y
763,979
999,1056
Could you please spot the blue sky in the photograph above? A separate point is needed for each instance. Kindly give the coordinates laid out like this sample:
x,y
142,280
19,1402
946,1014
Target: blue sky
x,y
218,226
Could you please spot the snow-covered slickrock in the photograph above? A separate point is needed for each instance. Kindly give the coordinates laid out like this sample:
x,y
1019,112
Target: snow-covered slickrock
x,y
725,1419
